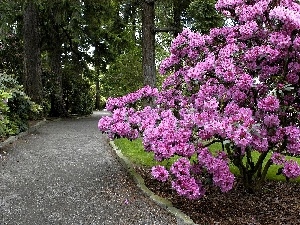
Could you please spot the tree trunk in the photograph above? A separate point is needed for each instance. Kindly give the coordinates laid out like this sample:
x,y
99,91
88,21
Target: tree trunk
x,y
177,10
58,108
148,40
97,103
32,54
179,6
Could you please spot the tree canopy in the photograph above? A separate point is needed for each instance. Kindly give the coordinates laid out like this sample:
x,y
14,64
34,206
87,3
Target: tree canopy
x,y
92,44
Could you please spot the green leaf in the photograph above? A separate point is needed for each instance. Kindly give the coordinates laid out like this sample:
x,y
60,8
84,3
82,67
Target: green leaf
x,y
279,172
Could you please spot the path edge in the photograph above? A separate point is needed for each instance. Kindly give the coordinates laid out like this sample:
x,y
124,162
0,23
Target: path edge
x,y
182,218
30,130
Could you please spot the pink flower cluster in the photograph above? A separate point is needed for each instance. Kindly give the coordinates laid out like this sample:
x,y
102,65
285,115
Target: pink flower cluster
x,y
277,158
188,187
218,167
268,104
145,92
125,120
181,167
238,85
160,173
293,137
291,169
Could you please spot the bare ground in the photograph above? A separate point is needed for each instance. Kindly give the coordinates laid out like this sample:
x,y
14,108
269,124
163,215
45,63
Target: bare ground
x,y
277,203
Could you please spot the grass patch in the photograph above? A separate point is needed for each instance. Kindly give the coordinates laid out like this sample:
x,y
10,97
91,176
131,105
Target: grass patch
x,y
134,150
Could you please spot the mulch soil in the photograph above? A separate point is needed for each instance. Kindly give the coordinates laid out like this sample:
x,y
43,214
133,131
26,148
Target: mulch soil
x,y
277,203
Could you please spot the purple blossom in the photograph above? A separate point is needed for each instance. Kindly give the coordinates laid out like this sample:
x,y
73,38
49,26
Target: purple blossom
x,y
271,120
188,187
289,17
248,29
291,169
278,159
296,43
292,78
269,104
244,82
293,138
105,123
181,167
280,40
160,173
219,168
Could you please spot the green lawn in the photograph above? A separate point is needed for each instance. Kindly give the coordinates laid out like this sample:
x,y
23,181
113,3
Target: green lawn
x,y
134,151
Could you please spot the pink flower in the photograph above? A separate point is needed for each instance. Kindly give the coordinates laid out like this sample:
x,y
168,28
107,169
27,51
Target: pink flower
x,y
181,167
242,137
289,17
271,120
248,29
278,159
227,4
188,187
293,138
239,84
244,82
160,173
291,169
105,123
269,104
280,40
219,168
292,78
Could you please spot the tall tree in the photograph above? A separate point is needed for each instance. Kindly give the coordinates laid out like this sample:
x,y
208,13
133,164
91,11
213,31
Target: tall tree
x,y
179,9
183,13
32,53
148,42
59,35
11,39
107,36
95,14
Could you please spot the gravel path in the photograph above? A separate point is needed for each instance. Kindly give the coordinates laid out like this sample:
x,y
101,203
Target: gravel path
x,y
65,173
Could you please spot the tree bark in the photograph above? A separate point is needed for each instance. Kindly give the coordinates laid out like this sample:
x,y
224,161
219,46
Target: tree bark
x,y
177,10
148,42
179,6
58,108
97,104
32,80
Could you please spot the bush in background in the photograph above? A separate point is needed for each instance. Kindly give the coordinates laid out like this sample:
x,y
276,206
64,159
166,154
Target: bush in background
x,y
16,108
78,94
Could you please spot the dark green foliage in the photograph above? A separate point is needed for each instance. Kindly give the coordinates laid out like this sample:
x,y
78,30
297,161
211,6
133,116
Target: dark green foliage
x,y
18,108
78,94
202,16
11,55
4,122
124,75
111,29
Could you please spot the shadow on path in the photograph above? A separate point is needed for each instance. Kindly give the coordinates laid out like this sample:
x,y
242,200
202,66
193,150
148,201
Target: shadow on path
x,y
65,173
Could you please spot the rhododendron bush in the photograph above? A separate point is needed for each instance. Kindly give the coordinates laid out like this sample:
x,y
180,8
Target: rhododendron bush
x,y
238,86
